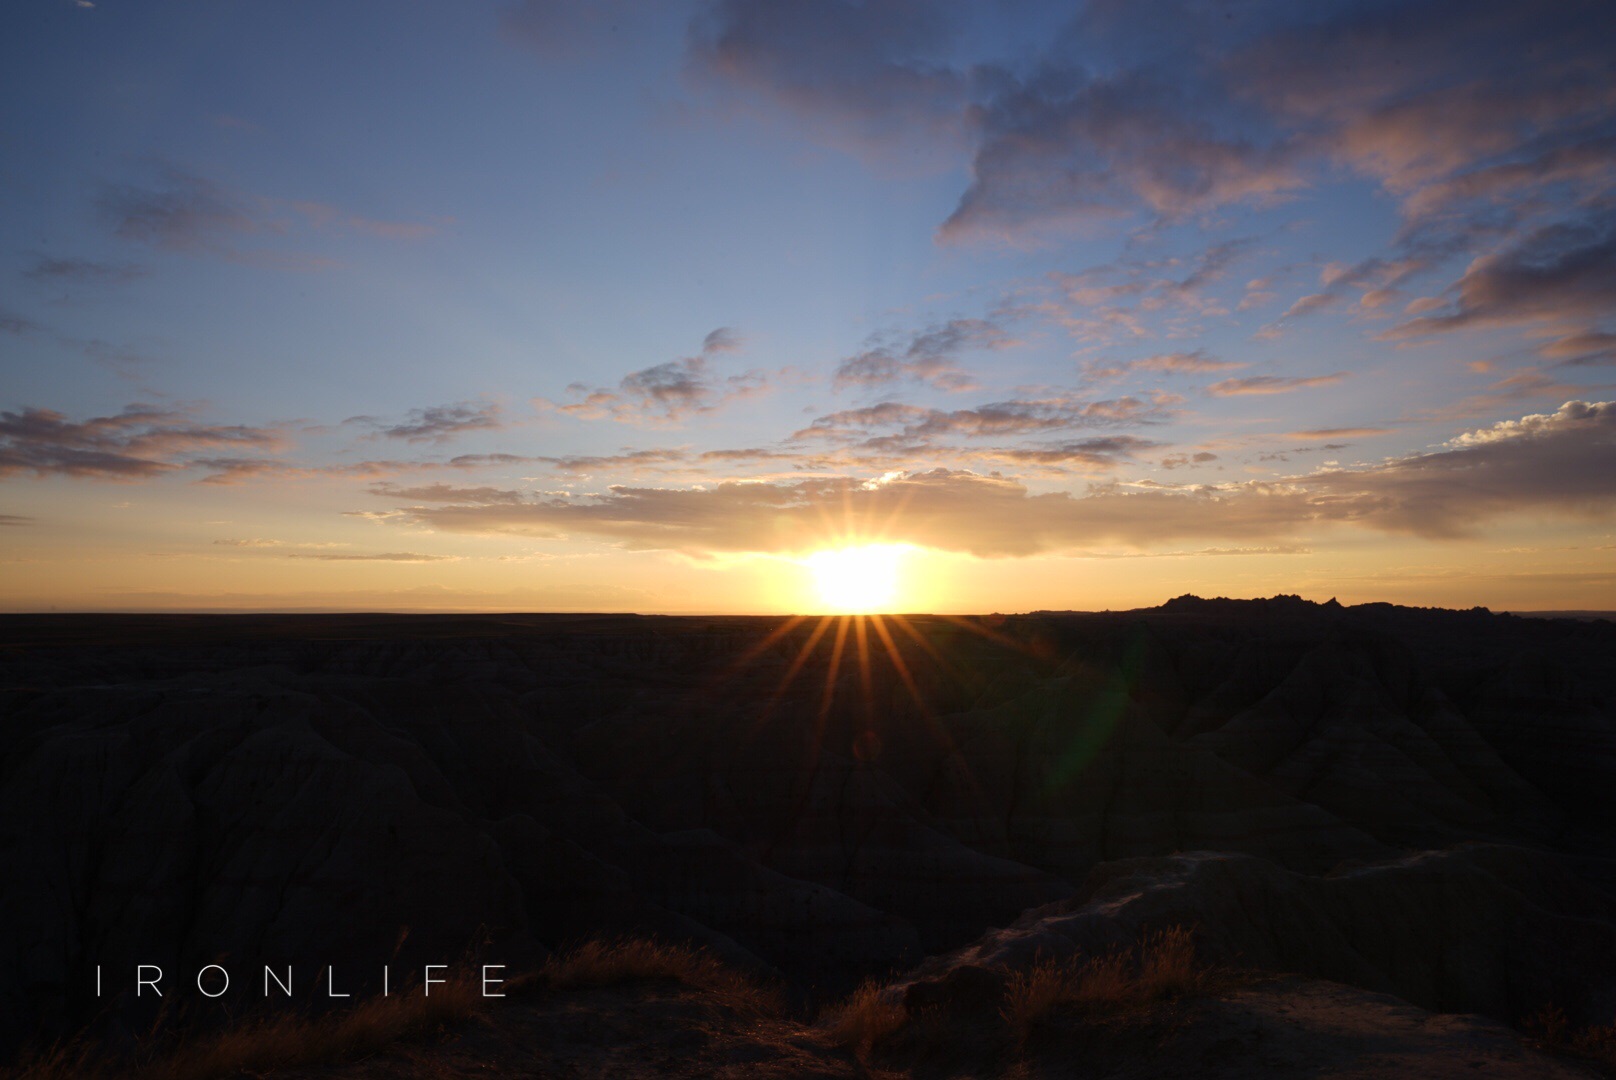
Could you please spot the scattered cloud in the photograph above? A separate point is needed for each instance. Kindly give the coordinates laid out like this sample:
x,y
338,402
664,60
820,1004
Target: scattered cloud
x,y
668,393
1562,274
390,556
930,357
1271,384
1563,463
1338,433
140,442
83,271
446,493
995,420
438,423
1181,363
184,213
631,459
191,214
1585,347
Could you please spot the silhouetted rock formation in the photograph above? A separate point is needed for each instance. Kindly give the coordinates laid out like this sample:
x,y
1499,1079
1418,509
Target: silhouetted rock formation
x,y
348,789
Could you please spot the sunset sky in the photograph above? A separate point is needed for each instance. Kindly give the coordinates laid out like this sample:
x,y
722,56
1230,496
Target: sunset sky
x,y
639,306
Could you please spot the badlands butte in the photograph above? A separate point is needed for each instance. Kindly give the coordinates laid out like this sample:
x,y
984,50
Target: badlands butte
x,y
1390,812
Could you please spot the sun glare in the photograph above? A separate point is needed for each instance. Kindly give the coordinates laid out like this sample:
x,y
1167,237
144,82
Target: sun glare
x,y
857,580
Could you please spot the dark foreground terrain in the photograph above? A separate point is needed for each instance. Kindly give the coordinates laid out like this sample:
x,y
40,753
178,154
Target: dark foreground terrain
x,y
1409,814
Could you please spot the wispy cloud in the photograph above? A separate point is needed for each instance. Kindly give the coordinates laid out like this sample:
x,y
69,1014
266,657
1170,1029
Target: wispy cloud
x,y
1271,384
389,556
83,271
16,324
1560,275
437,423
930,357
1181,363
999,419
192,214
670,392
140,442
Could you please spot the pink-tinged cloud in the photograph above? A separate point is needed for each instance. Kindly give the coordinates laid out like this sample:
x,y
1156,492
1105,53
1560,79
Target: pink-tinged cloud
x,y
1271,384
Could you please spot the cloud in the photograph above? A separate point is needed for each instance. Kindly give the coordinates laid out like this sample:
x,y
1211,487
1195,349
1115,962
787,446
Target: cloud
x,y
322,215
446,493
1066,146
1096,454
1417,94
1271,384
1338,433
1181,363
1561,274
84,271
929,357
722,340
16,324
1120,298
1586,347
1172,110
390,556
9,520
140,442
438,423
191,214
868,77
996,419
1562,463
668,393
186,213
1308,304
634,459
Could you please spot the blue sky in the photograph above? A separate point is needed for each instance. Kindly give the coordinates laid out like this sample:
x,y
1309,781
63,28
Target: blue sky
x,y
626,305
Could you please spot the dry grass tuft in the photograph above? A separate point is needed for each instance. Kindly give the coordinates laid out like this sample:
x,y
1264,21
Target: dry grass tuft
x,y
280,1042
619,960
1550,1026
1163,966
864,1019
1031,994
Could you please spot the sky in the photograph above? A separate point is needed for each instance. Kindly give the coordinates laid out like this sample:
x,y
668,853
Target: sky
x,y
625,306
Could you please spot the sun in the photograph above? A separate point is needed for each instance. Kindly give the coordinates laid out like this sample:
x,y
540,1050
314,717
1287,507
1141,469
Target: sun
x,y
857,580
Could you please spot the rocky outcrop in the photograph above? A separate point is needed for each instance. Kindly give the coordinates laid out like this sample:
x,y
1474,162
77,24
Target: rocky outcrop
x,y
1487,929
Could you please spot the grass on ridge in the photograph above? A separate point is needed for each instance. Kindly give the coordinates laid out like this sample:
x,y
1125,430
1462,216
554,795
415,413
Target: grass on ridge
x,y
375,1024
619,960
1163,965
278,1042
